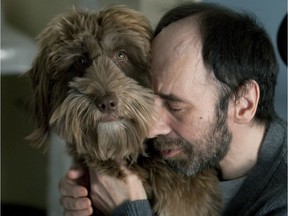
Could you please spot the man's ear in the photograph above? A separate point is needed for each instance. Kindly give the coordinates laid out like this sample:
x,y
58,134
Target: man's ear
x,y
246,102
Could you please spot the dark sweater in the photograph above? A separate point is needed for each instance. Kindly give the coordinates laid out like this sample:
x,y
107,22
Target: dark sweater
x,y
264,191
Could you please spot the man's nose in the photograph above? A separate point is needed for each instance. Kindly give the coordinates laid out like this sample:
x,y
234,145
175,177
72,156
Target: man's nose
x,y
161,125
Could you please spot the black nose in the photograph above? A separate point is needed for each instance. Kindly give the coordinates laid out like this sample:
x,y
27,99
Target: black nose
x,y
107,103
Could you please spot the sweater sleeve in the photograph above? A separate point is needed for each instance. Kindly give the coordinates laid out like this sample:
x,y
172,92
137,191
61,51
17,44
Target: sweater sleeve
x,y
133,208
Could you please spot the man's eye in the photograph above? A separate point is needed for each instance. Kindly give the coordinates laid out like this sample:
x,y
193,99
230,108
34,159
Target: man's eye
x,y
174,108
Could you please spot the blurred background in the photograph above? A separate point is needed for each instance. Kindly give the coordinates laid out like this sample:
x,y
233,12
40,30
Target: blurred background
x,y
29,178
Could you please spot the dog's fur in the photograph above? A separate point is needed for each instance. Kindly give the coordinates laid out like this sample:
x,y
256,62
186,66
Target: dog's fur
x,y
92,87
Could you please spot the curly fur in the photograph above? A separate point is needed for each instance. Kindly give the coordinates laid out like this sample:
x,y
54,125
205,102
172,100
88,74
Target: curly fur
x,y
86,58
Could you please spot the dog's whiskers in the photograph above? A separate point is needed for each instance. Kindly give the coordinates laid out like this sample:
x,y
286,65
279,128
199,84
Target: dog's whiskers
x,y
108,118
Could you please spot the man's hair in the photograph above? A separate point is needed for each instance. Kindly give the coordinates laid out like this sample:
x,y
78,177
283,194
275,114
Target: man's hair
x,y
236,48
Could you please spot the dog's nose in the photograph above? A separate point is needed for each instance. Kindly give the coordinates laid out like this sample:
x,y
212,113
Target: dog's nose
x,y
107,103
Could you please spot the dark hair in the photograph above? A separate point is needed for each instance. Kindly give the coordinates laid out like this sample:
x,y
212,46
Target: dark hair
x,y
236,48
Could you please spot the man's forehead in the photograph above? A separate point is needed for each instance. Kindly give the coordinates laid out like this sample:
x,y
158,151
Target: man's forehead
x,y
190,23
178,36
177,62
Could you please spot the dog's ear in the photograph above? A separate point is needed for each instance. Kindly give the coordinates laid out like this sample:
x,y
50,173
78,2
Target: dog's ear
x,y
41,100
45,72
41,75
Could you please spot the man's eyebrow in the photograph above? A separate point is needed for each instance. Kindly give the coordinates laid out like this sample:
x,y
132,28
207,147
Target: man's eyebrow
x,y
171,97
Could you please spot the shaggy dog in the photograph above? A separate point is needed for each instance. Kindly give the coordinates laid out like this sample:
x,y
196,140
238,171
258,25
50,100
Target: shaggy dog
x,y
91,86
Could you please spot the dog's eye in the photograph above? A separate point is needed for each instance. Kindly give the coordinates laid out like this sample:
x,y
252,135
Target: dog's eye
x,y
121,55
81,61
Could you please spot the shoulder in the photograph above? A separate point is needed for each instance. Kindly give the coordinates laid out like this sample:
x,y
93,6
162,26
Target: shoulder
x,y
278,126
263,197
272,198
273,201
264,192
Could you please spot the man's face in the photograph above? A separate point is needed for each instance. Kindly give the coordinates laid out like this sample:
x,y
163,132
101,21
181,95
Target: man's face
x,y
191,135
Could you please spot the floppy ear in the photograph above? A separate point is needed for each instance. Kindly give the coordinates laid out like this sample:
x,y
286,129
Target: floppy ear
x,y
246,102
40,75
41,101
45,72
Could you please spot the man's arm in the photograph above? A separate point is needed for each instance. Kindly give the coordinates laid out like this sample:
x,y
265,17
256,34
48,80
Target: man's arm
x,y
133,208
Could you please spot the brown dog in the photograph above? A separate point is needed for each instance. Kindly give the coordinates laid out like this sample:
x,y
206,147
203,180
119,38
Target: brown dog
x,y
92,87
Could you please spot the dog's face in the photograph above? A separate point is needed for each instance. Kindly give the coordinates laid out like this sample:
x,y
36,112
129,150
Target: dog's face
x,y
91,82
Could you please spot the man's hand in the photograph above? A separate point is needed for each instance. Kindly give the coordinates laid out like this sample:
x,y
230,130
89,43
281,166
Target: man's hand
x,y
74,194
107,193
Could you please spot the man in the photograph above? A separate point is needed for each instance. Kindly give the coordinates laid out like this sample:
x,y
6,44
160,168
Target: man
x,y
214,71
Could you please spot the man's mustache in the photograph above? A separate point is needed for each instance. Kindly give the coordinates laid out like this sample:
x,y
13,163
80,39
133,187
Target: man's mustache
x,y
164,142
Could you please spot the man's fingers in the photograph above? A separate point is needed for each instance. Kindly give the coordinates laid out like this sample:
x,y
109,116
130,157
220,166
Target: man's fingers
x,y
75,173
69,185
84,212
72,204
74,196
71,189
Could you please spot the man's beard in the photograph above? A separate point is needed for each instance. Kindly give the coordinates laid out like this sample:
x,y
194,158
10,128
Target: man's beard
x,y
199,154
